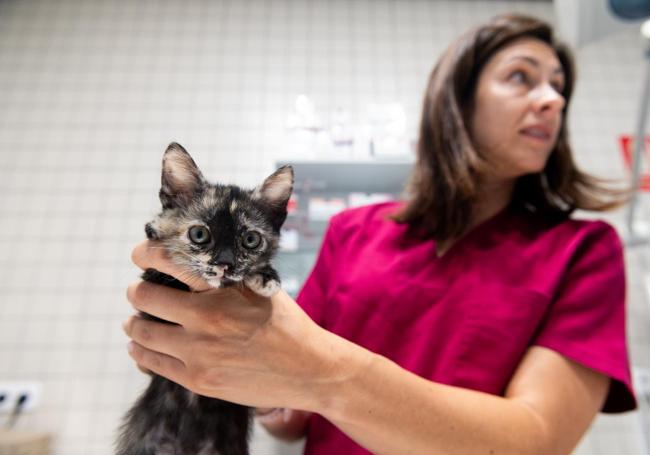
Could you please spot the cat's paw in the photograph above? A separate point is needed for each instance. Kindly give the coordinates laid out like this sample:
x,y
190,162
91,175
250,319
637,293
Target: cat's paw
x,y
258,285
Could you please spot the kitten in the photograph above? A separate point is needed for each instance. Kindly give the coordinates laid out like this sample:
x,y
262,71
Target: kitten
x,y
227,236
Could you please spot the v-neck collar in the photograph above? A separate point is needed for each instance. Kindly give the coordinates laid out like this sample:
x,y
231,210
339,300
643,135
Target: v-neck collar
x,y
467,238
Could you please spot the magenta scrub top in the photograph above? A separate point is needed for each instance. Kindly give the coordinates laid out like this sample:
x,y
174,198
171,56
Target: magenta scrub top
x,y
467,318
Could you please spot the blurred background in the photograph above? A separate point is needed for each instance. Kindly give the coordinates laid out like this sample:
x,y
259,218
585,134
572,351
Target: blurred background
x,y
92,91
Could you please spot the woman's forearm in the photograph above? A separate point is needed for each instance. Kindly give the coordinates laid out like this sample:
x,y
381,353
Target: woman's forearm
x,y
389,410
548,405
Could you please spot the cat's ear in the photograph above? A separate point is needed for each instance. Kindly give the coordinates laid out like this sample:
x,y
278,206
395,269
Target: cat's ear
x,y
276,189
181,178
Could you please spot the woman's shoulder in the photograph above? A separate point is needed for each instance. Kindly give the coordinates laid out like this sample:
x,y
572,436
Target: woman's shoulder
x,y
575,233
593,229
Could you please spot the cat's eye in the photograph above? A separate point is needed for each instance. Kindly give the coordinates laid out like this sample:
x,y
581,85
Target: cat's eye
x,y
251,239
199,235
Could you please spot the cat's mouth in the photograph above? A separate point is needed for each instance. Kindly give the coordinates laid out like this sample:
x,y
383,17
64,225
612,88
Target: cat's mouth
x,y
233,276
212,274
217,282
216,275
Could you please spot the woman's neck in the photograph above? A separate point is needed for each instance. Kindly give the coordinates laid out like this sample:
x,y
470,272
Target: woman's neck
x,y
493,198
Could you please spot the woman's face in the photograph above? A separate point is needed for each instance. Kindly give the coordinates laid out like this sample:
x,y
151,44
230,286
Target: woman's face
x,y
518,108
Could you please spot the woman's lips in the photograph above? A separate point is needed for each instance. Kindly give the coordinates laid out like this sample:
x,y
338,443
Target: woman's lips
x,y
539,133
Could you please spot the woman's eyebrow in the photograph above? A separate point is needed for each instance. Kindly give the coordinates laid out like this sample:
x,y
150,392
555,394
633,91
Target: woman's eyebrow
x,y
533,61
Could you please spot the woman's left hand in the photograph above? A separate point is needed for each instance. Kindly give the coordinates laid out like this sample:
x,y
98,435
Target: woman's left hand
x,y
229,343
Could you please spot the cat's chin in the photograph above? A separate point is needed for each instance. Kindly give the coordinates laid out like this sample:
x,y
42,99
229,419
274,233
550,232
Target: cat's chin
x,y
222,281
214,282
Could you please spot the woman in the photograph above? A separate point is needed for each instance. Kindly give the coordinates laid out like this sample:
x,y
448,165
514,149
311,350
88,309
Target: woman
x,y
477,317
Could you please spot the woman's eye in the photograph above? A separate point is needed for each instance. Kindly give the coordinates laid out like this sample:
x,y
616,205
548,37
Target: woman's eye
x,y
199,235
251,240
519,77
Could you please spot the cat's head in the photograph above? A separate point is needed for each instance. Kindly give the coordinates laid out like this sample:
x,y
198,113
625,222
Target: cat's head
x,y
222,233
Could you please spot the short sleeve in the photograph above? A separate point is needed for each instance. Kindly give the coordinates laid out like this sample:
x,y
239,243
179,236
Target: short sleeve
x,y
586,322
313,295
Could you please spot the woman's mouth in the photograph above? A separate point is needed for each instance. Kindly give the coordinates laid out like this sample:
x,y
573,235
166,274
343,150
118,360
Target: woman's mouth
x,y
538,133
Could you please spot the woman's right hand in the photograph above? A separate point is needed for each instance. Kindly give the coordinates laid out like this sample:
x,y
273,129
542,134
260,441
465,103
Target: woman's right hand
x,y
286,424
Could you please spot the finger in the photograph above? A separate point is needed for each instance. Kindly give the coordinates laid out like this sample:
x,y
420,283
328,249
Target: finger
x,y
156,336
166,303
158,363
153,255
142,370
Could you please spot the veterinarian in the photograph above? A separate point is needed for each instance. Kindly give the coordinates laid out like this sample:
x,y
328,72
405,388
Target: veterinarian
x,y
475,317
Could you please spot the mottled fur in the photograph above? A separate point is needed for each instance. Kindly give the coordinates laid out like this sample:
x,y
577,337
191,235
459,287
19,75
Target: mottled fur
x,y
168,419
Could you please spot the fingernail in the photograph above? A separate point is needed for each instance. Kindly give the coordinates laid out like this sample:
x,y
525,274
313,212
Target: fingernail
x,y
129,347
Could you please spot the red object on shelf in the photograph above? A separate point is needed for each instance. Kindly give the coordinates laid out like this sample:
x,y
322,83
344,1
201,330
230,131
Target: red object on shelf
x,y
627,149
292,205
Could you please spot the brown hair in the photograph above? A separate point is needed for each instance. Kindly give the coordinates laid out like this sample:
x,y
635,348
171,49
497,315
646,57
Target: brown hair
x,y
445,180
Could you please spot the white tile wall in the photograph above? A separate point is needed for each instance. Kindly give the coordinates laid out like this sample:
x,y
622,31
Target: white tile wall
x,y
91,93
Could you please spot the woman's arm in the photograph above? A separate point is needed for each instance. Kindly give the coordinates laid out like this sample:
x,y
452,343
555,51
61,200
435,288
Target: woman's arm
x,y
267,353
547,407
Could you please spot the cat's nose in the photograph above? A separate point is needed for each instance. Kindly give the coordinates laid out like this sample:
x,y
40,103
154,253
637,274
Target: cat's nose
x,y
224,259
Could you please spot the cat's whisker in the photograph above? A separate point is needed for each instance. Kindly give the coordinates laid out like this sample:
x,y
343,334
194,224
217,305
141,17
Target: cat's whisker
x,y
173,250
189,277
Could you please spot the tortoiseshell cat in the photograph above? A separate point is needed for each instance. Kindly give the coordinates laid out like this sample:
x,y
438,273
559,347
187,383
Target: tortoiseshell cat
x,y
226,235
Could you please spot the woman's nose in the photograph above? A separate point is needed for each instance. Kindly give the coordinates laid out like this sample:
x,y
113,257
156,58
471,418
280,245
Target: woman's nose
x,y
548,100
